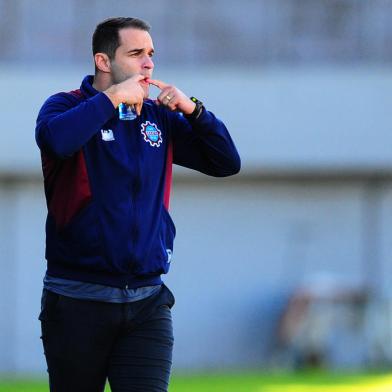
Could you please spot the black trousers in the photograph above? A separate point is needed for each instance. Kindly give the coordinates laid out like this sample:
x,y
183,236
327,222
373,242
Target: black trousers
x,y
87,342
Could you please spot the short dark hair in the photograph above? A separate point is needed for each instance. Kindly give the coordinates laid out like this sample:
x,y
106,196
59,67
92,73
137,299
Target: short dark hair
x,y
106,38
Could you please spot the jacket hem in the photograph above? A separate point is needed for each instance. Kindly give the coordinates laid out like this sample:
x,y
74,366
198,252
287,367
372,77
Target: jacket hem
x,y
104,278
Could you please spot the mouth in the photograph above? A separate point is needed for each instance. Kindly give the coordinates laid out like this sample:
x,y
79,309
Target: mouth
x,y
144,81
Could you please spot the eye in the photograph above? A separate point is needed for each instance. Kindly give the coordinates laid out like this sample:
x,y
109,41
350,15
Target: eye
x,y
136,53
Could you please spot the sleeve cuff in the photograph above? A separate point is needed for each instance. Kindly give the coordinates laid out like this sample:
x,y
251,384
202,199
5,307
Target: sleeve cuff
x,y
106,108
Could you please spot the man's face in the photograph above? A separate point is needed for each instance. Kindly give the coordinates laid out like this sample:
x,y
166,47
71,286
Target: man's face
x,y
133,56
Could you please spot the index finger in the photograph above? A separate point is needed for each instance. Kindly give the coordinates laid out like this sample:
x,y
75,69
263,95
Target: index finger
x,y
158,83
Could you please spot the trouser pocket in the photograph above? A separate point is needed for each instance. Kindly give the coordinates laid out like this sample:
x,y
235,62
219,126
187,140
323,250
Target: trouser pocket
x,y
49,303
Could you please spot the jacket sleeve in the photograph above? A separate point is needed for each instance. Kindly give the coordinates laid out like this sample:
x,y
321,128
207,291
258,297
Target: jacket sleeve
x,y
65,124
204,145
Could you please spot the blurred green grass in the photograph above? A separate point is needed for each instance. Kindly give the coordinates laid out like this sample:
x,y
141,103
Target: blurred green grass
x,y
249,382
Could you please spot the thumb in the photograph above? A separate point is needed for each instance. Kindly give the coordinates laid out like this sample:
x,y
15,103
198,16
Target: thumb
x,y
138,108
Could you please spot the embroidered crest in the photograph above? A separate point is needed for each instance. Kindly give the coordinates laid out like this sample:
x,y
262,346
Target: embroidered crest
x,y
151,134
107,135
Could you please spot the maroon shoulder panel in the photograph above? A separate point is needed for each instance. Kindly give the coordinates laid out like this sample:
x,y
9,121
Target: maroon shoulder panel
x,y
67,186
76,93
168,175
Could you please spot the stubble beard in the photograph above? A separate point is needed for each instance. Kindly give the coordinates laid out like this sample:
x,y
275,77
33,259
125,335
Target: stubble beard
x,y
118,77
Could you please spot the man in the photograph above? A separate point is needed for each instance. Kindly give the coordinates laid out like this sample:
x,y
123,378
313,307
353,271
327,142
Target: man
x,y
109,237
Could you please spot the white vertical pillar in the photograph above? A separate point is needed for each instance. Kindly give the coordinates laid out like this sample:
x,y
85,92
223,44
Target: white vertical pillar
x,y
7,277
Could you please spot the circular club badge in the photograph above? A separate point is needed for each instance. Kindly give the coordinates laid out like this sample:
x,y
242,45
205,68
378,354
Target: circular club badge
x,y
151,134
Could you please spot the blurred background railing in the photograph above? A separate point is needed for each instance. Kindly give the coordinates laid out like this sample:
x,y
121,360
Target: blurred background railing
x,y
248,32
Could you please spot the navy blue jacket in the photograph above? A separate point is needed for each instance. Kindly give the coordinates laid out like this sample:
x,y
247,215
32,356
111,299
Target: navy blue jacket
x,y
107,183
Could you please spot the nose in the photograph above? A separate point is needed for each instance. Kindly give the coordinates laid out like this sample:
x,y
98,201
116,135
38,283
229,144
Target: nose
x,y
148,63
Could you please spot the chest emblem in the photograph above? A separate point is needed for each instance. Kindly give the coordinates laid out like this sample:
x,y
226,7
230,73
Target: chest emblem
x,y
151,134
107,135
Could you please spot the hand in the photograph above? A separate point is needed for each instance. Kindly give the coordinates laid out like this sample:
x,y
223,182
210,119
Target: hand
x,y
172,97
129,92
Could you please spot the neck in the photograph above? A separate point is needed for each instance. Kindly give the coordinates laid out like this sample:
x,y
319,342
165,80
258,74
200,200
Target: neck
x,y
102,81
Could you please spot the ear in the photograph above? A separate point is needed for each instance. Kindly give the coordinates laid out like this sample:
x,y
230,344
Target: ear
x,y
102,62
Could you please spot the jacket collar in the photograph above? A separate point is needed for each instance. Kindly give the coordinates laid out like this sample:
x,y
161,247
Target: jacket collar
x,y
87,86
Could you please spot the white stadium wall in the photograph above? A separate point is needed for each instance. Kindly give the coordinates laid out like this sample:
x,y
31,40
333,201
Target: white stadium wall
x,y
314,197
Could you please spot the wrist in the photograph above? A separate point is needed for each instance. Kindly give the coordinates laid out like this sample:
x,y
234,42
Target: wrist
x,y
112,95
197,109
189,109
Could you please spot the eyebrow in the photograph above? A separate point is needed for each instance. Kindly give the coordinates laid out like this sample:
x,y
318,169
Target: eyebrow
x,y
139,50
